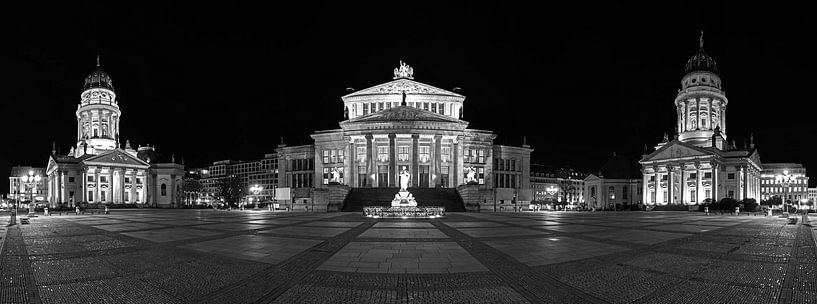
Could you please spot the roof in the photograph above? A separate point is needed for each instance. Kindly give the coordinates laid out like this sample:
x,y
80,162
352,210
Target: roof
x,y
620,167
98,79
398,86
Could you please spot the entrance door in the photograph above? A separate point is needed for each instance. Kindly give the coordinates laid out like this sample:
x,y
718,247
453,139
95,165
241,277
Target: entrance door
x,y
361,180
423,174
383,176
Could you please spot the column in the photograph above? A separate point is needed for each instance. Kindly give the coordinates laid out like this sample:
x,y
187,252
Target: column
x,y
645,190
351,161
698,184
715,182
392,161
437,159
709,115
370,165
683,184
96,188
659,193
455,173
670,197
122,186
723,119
415,138
745,189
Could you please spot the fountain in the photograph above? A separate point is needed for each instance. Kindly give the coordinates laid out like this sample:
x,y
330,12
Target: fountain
x,y
404,205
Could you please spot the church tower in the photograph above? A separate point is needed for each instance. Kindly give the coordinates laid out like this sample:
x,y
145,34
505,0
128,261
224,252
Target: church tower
x,y
97,115
701,102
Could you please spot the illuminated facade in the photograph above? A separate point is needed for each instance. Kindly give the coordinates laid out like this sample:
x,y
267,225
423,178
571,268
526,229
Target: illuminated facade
x,y
405,124
699,163
98,169
771,186
21,191
616,185
555,185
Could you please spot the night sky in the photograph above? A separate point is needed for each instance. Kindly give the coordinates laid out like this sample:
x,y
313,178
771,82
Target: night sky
x,y
225,82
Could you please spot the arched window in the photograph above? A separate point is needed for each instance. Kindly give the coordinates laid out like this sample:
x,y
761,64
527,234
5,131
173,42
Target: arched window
x,y
164,190
592,191
624,192
612,192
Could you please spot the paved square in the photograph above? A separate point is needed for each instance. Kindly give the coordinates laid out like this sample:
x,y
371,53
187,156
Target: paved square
x,y
265,249
207,256
388,233
403,257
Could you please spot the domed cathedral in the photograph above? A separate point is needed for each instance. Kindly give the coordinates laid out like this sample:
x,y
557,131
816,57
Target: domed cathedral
x,y
698,164
405,126
98,169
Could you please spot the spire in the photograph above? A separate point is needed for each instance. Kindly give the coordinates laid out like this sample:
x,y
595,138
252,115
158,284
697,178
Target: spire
x,y
751,140
53,148
97,60
701,40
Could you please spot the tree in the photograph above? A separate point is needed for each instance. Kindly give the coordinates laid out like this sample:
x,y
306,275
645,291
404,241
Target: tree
x,y
230,189
190,185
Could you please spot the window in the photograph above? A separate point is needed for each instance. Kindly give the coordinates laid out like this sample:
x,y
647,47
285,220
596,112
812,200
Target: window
x,y
127,196
164,190
502,165
425,153
445,154
403,153
90,178
730,176
425,106
70,179
90,196
138,182
102,196
434,107
481,158
513,165
103,179
372,107
325,156
708,193
693,175
340,155
361,154
383,153
481,175
731,194
624,192
127,180
138,196
708,175
379,106
611,191
365,109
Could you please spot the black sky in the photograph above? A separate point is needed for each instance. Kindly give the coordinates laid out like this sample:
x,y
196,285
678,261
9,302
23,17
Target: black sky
x,y
211,83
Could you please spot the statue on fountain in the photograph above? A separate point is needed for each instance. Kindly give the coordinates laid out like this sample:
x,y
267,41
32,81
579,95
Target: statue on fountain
x,y
403,198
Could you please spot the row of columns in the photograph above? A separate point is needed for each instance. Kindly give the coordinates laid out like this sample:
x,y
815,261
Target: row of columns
x,y
435,151
116,190
86,118
685,119
681,171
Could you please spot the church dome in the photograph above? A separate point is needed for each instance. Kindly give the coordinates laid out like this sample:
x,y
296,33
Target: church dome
x,y
98,79
701,61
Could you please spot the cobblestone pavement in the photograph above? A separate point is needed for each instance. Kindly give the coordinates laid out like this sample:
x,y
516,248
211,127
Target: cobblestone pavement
x,y
206,256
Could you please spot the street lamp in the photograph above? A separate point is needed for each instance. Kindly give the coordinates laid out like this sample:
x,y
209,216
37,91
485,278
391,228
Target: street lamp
x,y
31,180
785,180
256,190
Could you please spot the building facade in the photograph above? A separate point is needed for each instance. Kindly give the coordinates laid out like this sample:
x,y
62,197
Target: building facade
x,y
259,172
406,125
699,164
98,169
22,191
617,185
772,186
552,185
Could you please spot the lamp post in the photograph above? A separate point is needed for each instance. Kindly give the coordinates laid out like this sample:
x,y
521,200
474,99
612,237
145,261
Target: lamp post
x,y
256,190
31,180
785,180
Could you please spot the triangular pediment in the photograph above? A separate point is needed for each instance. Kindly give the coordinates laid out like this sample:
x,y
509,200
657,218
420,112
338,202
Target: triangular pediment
x,y
403,113
591,177
117,157
676,149
398,86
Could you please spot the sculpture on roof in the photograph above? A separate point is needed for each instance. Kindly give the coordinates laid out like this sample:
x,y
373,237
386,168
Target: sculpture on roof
x,y
403,71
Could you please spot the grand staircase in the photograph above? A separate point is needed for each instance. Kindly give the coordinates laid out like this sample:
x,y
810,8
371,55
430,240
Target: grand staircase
x,y
367,197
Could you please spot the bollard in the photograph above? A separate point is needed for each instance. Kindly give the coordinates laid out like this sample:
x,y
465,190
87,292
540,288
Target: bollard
x,y
737,210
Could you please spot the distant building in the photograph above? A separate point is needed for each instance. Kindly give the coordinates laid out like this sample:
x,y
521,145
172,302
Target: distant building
x,y
699,164
557,184
20,191
262,172
616,185
812,196
771,187
99,169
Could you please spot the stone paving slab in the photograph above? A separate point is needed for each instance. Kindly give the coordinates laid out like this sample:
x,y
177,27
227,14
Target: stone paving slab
x,y
403,257
306,231
637,236
395,233
684,228
231,226
170,234
500,232
116,290
575,228
264,249
550,250
332,224
128,226
403,225
474,224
